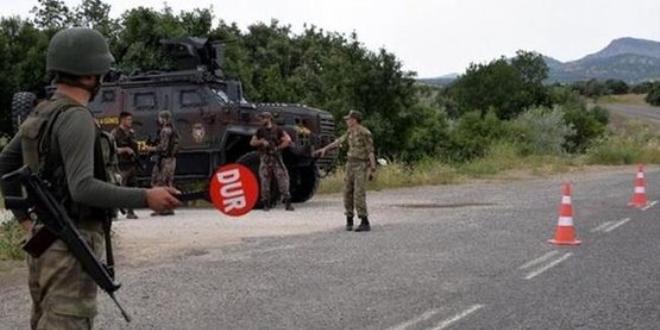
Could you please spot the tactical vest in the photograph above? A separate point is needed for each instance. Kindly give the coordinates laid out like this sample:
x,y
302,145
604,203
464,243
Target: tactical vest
x,y
41,155
122,140
270,134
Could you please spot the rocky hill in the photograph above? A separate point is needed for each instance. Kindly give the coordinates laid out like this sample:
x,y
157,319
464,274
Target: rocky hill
x,y
629,59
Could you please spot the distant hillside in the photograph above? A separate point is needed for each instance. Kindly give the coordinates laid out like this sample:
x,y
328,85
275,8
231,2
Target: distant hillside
x,y
629,59
439,81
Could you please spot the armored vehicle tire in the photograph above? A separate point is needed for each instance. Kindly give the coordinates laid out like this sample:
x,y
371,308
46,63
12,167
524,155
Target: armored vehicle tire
x,y
22,104
304,186
251,160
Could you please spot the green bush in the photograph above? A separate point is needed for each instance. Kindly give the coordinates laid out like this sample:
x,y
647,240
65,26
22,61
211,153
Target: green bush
x,y
588,125
472,135
544,130
653,97
429,134
10,236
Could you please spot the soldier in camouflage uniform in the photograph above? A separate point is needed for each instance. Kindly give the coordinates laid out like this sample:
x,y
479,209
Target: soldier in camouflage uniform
x,y
360,166
60,141
162,174
271,140
126,153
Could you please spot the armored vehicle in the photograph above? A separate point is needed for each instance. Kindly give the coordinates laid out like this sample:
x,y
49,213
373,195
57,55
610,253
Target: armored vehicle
x,y
212,116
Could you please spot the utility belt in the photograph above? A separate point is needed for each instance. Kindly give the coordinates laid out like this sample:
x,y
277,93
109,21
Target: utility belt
x,y
90,224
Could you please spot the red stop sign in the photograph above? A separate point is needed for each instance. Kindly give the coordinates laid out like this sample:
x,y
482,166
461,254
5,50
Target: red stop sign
x,y
234,189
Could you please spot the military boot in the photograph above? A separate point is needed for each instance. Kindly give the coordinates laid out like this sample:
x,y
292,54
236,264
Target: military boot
x,y
364,225
131,215
349,223
287,205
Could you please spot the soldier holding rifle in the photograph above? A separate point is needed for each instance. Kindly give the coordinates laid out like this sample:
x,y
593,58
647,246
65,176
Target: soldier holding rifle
x,y
61,142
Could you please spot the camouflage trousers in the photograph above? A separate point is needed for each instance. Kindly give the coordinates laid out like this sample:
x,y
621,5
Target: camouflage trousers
x,y
63,294
128,178
268,168
128,175
355,195
163,175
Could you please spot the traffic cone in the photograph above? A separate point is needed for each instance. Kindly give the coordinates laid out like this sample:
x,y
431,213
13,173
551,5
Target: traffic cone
x,y
565,232
639,196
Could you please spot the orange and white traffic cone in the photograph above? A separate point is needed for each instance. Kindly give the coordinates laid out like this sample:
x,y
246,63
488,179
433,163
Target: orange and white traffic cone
x,y
639,196
565,232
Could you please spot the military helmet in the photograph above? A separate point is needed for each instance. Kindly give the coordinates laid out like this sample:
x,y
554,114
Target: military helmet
x,y
79,51
165,114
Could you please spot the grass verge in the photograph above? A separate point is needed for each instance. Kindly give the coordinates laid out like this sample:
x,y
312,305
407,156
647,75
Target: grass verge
x,y
636,99
10,237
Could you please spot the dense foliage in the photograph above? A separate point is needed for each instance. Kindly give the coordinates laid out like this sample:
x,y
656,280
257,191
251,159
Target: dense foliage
x,y
331,71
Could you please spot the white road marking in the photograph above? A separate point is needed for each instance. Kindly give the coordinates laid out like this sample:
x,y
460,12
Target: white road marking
x,y
548,266
425,316
602,226
538,260
649,206
444,324
616,225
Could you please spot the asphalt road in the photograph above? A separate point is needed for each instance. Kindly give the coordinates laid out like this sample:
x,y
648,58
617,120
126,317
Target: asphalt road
x,y
643,112
473,256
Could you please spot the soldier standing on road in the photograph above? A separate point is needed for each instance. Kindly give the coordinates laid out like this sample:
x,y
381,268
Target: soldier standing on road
x,y
126,153
271,140
360,165
162,174
61,142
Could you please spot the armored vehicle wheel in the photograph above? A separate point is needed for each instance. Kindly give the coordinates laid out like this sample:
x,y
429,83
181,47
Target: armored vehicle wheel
x,y
304,183
22,104
251,160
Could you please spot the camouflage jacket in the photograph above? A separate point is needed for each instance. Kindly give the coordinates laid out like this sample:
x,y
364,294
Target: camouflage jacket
x,y
167,142
360,143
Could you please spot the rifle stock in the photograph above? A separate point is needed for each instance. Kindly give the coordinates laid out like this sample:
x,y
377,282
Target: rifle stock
x,y
58,225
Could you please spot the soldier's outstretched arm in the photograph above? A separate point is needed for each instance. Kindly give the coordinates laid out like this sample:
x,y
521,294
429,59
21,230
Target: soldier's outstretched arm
x,y
333,144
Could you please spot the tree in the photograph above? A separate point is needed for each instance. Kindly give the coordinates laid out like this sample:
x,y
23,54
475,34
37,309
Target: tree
x,y
508,87
52,14
531,66
22,63
653,97
616,87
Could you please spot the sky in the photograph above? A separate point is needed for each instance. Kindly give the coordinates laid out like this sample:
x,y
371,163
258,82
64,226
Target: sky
x,y
436,37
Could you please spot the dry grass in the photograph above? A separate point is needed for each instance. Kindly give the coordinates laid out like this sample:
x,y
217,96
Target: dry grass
x,y
635,99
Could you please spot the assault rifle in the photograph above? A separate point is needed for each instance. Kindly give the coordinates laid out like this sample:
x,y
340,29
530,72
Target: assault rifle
x,y
58,224
153,156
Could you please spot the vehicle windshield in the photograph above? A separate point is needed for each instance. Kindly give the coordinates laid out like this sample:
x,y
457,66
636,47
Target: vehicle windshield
x,y
220,95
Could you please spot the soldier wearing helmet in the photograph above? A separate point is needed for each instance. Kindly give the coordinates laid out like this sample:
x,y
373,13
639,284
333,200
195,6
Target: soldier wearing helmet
x,y
61,142
162,174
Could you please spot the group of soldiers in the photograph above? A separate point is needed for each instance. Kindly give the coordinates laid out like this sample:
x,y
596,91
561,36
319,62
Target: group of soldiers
x,y
163,155
61,141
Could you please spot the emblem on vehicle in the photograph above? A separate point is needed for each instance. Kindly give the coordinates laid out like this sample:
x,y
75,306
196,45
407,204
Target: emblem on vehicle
x,y
198,133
